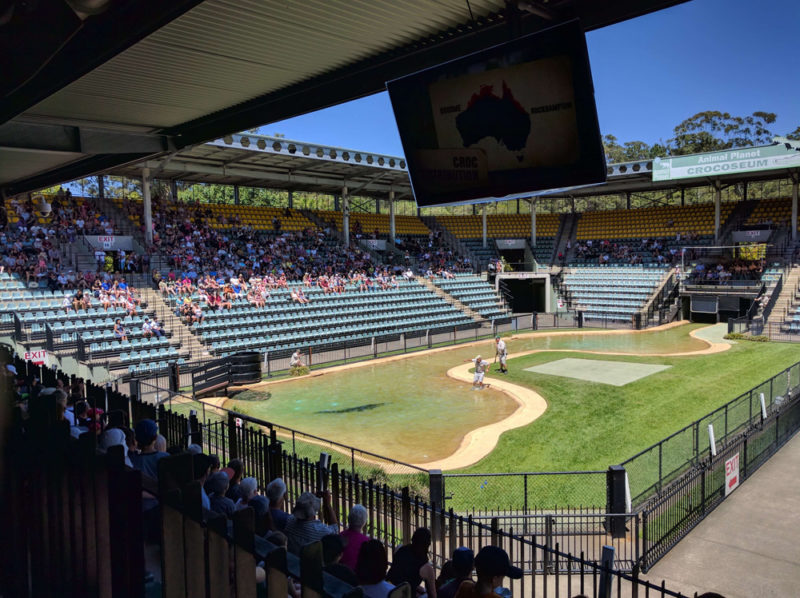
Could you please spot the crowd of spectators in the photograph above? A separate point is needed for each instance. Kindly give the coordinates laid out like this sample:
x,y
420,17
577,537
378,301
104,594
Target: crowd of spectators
x,y
660,251
432,254
725,272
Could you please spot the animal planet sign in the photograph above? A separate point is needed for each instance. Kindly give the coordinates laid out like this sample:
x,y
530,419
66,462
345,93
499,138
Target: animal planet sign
x,y
731,474
754,159
36,357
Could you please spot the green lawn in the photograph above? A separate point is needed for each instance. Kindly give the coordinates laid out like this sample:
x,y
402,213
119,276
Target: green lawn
x,y
589,426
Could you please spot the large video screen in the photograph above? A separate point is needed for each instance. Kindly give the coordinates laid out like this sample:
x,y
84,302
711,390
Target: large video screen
x,y
512,119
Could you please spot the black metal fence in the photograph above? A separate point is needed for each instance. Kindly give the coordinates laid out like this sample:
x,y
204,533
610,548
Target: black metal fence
x,y
653,468
679,507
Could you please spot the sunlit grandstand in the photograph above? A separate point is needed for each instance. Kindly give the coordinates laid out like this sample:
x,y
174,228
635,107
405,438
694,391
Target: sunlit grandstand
x,y
238,364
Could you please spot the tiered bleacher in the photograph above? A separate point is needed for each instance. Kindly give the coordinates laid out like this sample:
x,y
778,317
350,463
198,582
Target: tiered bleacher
x,y
369,223
476,293
774,212
612,292
504,226
226,216
352,317
644,235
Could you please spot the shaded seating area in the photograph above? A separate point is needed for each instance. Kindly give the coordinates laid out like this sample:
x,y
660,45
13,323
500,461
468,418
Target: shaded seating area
x,y
369,223
614,292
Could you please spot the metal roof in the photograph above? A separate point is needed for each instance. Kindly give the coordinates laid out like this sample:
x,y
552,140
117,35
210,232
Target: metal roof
x,y
180,72
279,163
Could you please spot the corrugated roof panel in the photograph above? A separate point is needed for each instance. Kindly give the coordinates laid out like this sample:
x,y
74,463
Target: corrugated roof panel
x,y
201,63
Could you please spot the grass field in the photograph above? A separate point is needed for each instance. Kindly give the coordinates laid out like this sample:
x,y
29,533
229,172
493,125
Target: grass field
x,y
589,426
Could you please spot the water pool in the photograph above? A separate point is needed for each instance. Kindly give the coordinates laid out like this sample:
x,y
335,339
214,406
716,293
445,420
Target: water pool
x,y
409,409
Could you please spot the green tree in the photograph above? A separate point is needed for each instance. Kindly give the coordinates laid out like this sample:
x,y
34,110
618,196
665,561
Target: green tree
x,y
794,134
713,130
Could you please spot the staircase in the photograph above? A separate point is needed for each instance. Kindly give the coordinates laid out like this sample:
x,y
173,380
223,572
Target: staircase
x,y
180,331
451,300
735,220
787,298
569,224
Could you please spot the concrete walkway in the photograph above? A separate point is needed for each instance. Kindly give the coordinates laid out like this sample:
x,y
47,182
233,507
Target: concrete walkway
x,y
749,547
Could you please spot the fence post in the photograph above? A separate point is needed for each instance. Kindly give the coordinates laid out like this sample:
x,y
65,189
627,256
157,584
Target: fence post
x,y
233,452
548,542
436,488
267,366
495,537
703,490
195,431
744,459
275,469
405,515
607,564
374,348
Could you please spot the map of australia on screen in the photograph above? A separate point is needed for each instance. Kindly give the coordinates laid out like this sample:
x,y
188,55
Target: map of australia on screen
x,y
521,116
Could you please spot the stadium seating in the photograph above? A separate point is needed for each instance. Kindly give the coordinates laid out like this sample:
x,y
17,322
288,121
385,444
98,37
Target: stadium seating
x,y
503,226
611,292
777,212
404,225
658,222
257,217
475,293
283,325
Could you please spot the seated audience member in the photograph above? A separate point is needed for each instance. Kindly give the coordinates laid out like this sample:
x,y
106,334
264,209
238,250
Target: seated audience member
x,y
276,493
492,565
116,437
460,570
354,536
371,570
161,444
410,564
303,527
235,471
332,549
279,539
119,331
201,463
217,485
249,497
146,460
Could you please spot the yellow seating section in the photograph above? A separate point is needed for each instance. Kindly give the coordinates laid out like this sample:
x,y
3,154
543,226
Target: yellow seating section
x,y
663,221
404,225
503,226
777,211
13,218
258,217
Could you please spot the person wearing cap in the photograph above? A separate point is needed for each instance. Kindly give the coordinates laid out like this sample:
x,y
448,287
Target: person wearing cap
x,y
455,571
217,485
492,565
276,493
303,527
481,365
235,471
501,353
146,460
410,564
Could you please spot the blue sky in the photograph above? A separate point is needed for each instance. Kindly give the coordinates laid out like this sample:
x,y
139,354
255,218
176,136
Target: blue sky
x,y
650,73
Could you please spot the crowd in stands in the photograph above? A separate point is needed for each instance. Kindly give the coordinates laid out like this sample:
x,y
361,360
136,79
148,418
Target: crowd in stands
x,y
432,254
61,411
661,251
723,273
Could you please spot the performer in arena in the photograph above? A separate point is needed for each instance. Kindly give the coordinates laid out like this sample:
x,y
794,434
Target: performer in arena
x,y
501,353
296,360
480,369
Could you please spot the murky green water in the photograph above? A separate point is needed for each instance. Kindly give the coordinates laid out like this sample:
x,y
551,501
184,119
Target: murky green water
x,y
409,409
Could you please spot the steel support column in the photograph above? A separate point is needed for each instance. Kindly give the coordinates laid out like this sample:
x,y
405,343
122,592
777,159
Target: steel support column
x,y
392,226
147,206
795,180
101,186
346,216
717,202
533,222
483,217
236,195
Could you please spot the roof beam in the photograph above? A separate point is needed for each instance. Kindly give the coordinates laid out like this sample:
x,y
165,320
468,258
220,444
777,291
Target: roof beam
x,y
369,76
175,168
77,139
76,46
